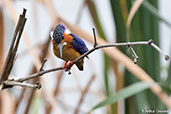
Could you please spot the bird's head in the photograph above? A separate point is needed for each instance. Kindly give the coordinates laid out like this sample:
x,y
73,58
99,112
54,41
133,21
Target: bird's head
x,y
58,36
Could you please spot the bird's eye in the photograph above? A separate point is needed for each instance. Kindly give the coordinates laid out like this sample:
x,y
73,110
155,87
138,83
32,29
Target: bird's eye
x,y
62,37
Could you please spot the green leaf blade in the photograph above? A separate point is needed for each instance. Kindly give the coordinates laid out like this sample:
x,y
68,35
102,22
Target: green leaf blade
x,y
124,93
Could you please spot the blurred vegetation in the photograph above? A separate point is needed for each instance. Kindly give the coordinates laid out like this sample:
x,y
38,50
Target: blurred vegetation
x,y
144,26
136,95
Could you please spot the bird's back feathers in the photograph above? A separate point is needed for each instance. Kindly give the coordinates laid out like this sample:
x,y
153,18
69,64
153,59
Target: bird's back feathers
x,y
78,44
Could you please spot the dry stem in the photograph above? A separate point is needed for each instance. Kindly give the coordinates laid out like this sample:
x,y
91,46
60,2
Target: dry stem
x,y
96,47
14,46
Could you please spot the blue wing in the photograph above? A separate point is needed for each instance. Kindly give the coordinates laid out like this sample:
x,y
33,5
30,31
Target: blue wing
x,y
78,44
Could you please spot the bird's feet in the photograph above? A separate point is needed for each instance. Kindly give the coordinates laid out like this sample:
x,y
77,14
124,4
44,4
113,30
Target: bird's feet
x,y
67,66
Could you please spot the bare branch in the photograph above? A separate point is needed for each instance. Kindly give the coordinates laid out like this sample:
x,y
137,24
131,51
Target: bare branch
x,y
134,54
9,62
11,57
67,68
14,83
95,41
44,61
150,42
159,50
96,47
36,75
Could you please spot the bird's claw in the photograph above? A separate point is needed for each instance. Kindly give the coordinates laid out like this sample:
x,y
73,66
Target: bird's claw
x,y
67,66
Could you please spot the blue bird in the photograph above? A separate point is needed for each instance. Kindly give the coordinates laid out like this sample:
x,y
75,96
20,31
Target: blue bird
x,y
67,46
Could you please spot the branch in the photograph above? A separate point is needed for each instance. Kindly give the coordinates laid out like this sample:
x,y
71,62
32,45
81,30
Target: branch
x,y
11,57
134,54
96,47
67,68
150,42
9,62
159,50
95,41
38,74
41,68
14,83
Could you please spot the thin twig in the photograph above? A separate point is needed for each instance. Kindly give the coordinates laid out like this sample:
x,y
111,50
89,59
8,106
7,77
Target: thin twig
x,y
41,68
38,74
22,84
95,41
159,50
134,54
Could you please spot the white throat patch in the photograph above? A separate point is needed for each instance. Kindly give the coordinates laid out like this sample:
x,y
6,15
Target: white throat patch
x,y
67,31
64,43
51,35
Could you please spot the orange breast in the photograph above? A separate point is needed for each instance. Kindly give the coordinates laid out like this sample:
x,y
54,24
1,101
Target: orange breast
x,y
68,52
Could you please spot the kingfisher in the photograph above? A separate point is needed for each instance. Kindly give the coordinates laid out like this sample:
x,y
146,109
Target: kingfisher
x,y
68,46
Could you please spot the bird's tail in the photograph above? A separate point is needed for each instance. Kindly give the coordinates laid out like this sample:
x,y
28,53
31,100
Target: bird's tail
x,y
80,65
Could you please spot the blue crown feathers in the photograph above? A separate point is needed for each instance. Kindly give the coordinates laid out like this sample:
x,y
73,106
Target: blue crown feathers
x,y
58,33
